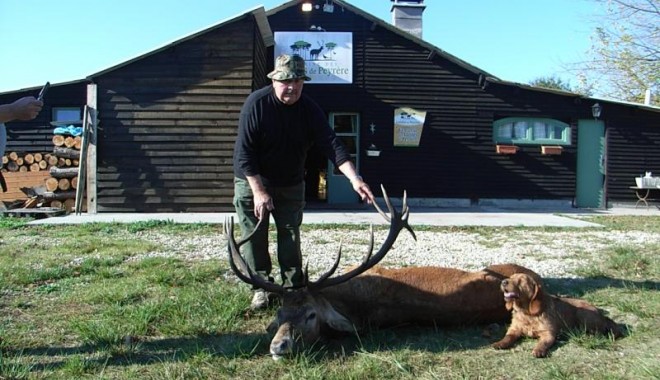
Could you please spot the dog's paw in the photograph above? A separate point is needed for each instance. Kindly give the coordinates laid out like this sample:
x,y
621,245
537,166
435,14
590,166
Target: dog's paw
x,y
540,353
500,345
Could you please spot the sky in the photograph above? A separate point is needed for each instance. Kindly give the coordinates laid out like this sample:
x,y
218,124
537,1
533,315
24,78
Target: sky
x,y
65,40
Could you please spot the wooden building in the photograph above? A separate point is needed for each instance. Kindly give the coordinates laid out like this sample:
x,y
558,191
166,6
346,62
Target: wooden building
x,y
414,117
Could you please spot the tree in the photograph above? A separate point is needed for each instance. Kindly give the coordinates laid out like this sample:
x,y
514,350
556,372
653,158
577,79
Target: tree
x,y
624,59
552,82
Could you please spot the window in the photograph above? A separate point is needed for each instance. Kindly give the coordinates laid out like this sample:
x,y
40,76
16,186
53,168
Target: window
x,y
534,131
346,127
67,114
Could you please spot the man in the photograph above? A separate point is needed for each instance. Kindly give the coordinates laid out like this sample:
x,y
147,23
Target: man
x,y
26,108
277,126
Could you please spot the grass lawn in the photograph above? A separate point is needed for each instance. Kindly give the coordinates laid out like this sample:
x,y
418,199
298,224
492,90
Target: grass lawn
x,y
103,301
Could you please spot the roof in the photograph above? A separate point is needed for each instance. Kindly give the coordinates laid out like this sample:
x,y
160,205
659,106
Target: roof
x,y
259,14
572,94
37,88
386,25
261,18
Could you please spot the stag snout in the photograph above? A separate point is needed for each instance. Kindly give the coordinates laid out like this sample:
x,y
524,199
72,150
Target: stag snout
x,y
283,341
293,328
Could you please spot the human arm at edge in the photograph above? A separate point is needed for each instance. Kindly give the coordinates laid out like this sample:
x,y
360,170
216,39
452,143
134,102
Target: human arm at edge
x,y
26,108
360,187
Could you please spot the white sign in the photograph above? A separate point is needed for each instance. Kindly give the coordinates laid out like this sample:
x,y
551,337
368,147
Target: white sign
x,y
328,55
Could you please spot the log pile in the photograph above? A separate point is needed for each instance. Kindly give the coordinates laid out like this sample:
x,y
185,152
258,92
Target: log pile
x,y
63,181
56,181
27,162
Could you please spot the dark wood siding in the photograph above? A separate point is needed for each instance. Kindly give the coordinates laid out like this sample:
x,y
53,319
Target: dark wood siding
x,y
456,157
168,120
36,135
633,148
261,59
168,124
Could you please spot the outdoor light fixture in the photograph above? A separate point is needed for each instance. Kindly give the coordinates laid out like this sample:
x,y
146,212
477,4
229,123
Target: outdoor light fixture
x,y
328,7
307,6
595,110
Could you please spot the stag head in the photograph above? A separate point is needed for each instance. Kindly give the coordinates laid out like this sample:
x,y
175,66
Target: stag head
x,y
305,311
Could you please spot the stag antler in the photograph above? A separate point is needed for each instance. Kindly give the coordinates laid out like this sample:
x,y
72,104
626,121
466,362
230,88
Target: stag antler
x,y
238,264
398,221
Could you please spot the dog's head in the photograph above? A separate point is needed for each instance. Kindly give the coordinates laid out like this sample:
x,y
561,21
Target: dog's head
x,y
524,292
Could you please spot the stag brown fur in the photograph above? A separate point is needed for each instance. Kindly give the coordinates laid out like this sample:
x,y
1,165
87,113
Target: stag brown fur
x,y
387,297
544,316
368,295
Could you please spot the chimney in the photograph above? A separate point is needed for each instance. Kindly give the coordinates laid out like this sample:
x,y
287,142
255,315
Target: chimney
x,y
407,15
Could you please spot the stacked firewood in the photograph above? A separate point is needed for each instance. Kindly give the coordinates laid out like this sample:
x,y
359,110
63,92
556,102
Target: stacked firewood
x,y
63,181
27,162
45,179
23,172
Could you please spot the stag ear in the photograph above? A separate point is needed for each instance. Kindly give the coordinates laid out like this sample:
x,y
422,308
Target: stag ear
x,y
337,321
536,303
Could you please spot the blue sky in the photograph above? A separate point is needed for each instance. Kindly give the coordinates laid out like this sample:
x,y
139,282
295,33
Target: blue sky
x,y
63,40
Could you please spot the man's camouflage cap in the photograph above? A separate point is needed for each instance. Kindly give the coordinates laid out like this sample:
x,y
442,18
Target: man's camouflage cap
x,y
289,67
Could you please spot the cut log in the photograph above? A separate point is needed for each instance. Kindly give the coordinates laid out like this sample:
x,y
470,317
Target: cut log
x,y
58,172
43,164
78,142
64,184
74,182
58,140
19,161
22,168
29,158
52,184
60,196
69,204
56,203
66,152
5,159
35,167
12,156
12,166
38,157
52,160
69,142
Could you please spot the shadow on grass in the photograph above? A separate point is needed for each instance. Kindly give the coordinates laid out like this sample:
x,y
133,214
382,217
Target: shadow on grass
x,y
431,339
148,351
231,346
578,287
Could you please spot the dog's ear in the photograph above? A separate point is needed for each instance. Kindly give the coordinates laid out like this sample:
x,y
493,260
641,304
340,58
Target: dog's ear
x,y
508,305
536,302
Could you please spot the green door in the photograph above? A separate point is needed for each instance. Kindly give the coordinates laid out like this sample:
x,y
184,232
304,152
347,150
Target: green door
x,y
340,190
591,149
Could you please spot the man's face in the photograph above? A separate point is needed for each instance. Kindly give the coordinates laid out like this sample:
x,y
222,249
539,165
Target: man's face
x,y
288,91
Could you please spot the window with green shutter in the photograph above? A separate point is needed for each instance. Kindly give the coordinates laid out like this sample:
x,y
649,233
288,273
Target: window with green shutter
x,y
531,131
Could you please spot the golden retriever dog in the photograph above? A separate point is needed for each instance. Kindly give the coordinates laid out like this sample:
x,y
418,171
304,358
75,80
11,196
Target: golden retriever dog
x,y
543,316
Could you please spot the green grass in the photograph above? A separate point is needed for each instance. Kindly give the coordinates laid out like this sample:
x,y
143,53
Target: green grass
x,y
94,302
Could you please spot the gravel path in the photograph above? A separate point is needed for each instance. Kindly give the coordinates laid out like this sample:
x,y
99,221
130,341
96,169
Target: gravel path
x,y
549,253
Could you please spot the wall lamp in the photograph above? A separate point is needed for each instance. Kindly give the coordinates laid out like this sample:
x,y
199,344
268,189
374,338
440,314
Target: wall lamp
x,y
328,7
596,109
307,6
